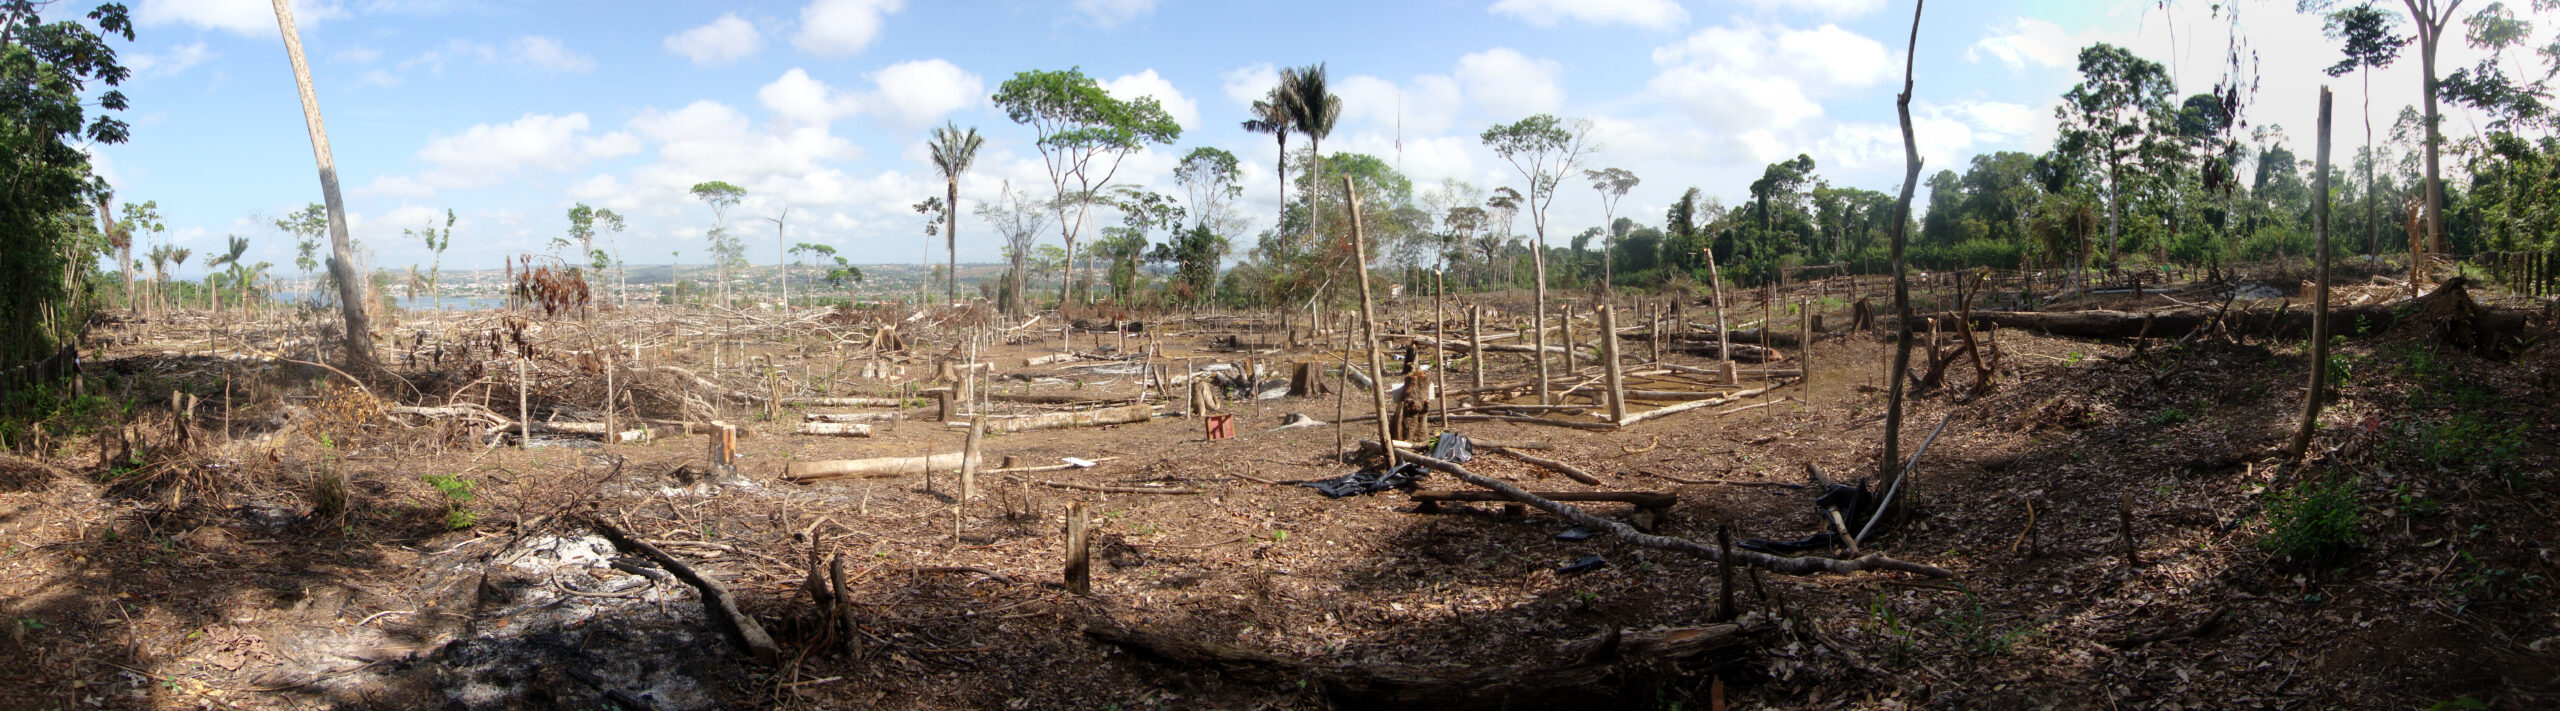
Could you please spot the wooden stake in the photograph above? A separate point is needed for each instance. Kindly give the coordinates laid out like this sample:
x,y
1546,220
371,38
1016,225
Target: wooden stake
x,y
1475,341
1804,340
1079,575
969,457
1615,374
1724,571
1369,322
844,604
524,420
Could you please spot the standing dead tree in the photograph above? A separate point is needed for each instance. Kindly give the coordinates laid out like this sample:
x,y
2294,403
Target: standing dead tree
x,y
1889,466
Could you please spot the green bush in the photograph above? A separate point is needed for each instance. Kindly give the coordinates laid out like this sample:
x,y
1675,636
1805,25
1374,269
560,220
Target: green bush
x,y
2469,440
2316,521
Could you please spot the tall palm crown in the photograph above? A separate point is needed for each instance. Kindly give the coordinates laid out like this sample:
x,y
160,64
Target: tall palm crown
x,y
953,151
1271,115
1312,110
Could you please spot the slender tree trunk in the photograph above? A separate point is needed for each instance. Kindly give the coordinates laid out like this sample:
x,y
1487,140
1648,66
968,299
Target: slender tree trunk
x,y
2320,316
2430,32
1889,469
2372,225
951,240
1369,328
351,305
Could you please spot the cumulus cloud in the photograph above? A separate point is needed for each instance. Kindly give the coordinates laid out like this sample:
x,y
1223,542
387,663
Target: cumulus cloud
x,y
1655,14
2026,42
1148,83
1107,14
542,54
548,55
803,101
487,153
1427,105
840,28
248,17
1504,81
175,61
723,41
1249,84
1837,9
916,93
1745,75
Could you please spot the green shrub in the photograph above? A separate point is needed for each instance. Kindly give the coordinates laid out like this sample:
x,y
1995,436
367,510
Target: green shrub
x,y
2469,440
2316,521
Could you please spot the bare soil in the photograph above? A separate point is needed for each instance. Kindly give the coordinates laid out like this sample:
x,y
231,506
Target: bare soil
x,y
210,574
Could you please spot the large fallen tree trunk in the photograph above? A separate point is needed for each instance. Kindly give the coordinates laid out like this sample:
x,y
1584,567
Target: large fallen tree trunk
x,y
1802,565
715,598
1604,671
2450,300
848,416
1122,415
847,401
804,472
835,429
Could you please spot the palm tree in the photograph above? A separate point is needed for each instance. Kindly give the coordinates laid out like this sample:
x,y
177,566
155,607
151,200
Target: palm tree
x,y
159,256
953,152
239,248
1312,110
178,258
343,259
1271,115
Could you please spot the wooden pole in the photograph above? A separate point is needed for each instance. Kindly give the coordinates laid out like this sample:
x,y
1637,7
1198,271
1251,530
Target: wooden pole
x,y
1609,363
1564,313
1369,322
1440,335
1475,341
524,420
2320,312
1804,340
1079,572
1724,587
969,456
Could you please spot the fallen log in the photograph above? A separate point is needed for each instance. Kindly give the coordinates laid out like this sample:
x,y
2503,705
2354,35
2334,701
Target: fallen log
x,y
1642,499
1037,361
820,470
848,401
848,416
1122,415
1601,671
1636,417
1802,565
1569,471
715,598
1107,489
835,429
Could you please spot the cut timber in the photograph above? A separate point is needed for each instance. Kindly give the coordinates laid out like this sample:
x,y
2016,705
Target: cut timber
x,y
849,416
846,401
1775,564
715,598
835,429
1692,405
801,472
1122,415
2452,298
1643,499
1568,470
1596,672
1037,361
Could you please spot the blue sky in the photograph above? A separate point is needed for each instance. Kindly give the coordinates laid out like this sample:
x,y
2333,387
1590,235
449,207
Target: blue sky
x,y
510,112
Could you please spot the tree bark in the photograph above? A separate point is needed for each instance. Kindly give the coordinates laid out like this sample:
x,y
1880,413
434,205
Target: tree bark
x,y
1369,317
1889,466
351,302
2320,308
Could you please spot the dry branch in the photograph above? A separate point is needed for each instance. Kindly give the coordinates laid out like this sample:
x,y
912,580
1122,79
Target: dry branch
x,y
1775,564
715,598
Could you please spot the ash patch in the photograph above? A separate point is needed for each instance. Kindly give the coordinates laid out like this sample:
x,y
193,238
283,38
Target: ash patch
x,y
566,622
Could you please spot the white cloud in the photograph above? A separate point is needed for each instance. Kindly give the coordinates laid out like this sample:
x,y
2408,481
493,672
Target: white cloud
x,y
1107,14
725,40
176,61
1250,84
920,92
540,53
1745,75
1655,14
839,28
802,101
357,55
485,154
2026,42
1148,83
1428,105
1837,9
1506,82
377,77
548,55
248,17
